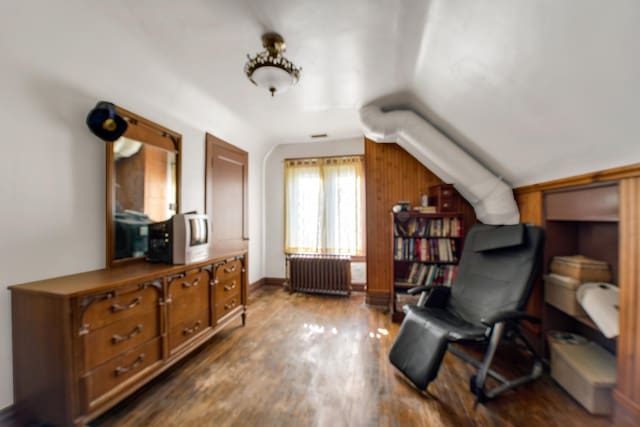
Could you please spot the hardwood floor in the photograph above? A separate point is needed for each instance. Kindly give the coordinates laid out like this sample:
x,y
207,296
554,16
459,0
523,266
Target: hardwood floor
x,y
305,360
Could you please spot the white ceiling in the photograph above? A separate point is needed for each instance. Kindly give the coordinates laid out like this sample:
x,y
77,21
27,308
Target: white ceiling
x,y
349,51
534,89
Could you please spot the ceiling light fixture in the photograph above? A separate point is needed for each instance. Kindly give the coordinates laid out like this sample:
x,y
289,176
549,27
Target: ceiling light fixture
x,y
269,68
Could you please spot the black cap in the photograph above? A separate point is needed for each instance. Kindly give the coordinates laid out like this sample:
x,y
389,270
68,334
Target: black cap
x,y
105,123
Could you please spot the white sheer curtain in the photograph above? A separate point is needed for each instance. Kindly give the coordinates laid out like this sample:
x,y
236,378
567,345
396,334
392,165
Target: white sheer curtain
x,y
324,205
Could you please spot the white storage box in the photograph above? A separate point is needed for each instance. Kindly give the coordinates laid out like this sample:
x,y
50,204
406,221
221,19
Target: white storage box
x,y
601,302
586,371
560,291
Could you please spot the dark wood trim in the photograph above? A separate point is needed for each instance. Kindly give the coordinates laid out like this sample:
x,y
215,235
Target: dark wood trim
x,y
256,285
359,287
626,412
358,258
629,171
628,343
344,156
378,300
148,125
274,281
8,415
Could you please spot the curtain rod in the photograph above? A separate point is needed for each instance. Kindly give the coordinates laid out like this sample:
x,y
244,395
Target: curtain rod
x,y
344,156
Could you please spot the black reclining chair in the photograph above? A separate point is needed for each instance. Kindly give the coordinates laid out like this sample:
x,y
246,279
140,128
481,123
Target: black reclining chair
x,y
486,302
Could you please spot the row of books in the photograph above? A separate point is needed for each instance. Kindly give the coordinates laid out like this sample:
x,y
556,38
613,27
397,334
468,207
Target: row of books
x,y
423,274
425,250
429,227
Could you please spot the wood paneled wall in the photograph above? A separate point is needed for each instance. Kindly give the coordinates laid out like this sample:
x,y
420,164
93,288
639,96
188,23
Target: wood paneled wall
x,y
391,174
530,206
530,201
628,385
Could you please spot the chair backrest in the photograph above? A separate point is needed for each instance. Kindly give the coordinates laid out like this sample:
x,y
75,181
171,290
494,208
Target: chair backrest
x,y
497,270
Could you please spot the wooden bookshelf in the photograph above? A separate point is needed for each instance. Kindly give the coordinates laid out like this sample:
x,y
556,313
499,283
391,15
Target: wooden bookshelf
x,y
581,220
530,199
426,250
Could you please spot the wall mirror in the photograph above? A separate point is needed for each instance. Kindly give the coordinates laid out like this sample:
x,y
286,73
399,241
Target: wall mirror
x,y
143,185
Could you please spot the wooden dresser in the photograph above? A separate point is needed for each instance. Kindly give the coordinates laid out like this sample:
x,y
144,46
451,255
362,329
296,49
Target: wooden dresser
x,y
84,342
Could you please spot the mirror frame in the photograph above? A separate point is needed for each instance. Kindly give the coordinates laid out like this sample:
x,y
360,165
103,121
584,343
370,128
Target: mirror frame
x,y
147,132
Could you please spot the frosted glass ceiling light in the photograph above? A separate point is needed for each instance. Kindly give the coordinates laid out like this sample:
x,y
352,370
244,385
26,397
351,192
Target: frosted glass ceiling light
x,y
271,70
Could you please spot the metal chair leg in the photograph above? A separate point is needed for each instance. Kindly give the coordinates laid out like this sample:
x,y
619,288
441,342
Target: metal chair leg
x,y
477,381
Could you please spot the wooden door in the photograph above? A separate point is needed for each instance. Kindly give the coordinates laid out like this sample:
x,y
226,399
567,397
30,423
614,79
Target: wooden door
x,y
226,190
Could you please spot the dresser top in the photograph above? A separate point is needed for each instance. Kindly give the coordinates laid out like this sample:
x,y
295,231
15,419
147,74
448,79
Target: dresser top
x,y
99,280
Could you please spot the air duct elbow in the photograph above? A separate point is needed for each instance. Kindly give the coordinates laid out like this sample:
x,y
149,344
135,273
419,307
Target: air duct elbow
x,y
491,198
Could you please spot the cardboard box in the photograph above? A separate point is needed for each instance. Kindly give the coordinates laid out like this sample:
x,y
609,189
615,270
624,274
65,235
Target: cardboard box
x,y
581,268
586,371
560,292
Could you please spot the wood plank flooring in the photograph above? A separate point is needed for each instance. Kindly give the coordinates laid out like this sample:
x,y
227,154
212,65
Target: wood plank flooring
x,y
306,360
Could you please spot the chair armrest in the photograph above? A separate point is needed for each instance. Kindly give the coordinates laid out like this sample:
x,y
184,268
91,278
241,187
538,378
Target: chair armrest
x,y
509,315
438,296
420,289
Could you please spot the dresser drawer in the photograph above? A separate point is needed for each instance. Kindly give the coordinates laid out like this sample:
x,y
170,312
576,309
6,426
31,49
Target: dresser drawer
x,y
126,367
188,329
227,289
117,305
105,343
228,270
188,295
227,306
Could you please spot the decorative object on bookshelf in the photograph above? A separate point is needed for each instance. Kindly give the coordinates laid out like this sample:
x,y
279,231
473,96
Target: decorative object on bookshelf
x,y
401,206
425,209
445,197
426,249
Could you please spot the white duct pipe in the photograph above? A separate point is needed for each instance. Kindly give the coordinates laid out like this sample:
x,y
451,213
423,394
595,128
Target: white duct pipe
x,y
489,195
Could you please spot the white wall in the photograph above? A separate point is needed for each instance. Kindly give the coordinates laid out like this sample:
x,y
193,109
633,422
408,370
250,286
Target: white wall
x,y
57,61
274,192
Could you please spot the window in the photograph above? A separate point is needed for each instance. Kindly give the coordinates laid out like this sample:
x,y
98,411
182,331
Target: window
x,y
324,205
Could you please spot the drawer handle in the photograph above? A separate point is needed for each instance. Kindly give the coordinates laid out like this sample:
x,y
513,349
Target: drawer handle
x,y
119,307
120,370
119,338
230,269
230,305
230,287
189,331
192,284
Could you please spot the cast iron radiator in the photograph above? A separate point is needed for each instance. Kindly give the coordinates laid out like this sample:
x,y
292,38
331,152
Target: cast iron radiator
x,y
325,274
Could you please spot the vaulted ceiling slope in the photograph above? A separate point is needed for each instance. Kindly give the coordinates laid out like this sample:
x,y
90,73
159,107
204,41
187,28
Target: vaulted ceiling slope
x,y
533,89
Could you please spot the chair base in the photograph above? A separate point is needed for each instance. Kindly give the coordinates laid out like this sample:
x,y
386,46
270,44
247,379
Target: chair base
x,y
477,382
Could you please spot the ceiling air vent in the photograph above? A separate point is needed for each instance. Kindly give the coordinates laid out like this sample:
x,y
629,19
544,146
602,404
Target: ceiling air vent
x,y
319,135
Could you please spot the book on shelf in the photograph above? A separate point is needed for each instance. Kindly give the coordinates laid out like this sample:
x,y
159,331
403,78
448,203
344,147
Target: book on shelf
x,y
426,209
413,272
431,274
422,274
428,227
442,249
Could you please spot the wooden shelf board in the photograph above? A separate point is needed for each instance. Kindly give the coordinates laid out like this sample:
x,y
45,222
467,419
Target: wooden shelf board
x,y
587,321
428,262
